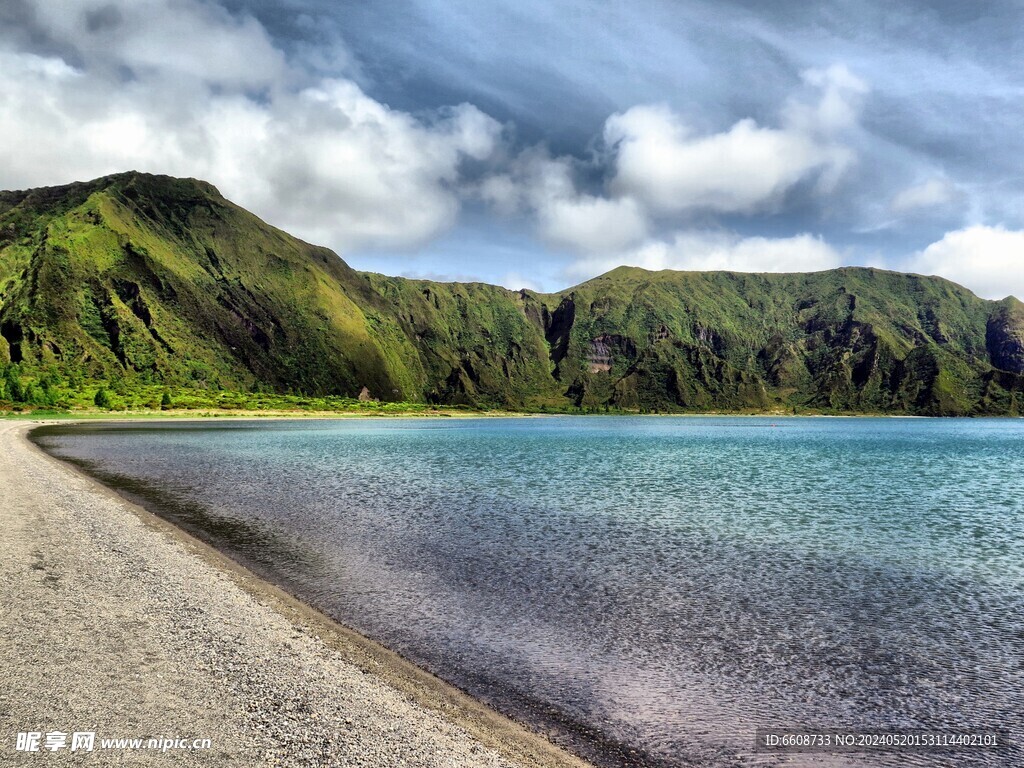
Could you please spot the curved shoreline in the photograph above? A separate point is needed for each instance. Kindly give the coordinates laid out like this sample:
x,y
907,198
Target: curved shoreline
x,y
464,730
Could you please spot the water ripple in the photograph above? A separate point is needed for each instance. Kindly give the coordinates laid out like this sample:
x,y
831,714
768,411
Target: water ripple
x,y
649,590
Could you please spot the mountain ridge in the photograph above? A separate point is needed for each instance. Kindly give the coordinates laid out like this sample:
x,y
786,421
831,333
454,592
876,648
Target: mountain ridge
x,y
160,280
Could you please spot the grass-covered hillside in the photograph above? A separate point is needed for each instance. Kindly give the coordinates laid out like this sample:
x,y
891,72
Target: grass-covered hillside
x,y
158,290
861,340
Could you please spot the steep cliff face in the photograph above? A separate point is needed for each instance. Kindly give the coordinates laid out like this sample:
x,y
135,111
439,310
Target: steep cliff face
x,y
844,340
475,343
163,280
1005,336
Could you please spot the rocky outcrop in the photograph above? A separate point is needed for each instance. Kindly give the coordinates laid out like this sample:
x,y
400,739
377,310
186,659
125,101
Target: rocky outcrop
x,y
1004,336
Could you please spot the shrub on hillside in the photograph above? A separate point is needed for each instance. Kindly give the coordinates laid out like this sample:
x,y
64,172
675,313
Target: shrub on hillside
x,y
102,399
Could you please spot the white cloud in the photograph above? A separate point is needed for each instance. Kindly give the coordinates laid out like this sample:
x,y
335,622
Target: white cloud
x,y
565,217
514,281
837,107
593,224
504,193
741,170
703,250
930,193
363,173
441,277
189,38
185,88
988,260
748,167
658,170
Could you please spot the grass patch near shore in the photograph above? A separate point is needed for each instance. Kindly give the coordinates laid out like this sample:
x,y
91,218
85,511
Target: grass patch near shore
x,y
51,397
46,394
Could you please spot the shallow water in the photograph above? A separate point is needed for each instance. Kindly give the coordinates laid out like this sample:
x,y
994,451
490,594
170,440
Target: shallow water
x,y
648,590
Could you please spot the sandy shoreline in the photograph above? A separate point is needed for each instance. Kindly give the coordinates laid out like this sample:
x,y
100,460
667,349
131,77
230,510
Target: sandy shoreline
x,y
116,622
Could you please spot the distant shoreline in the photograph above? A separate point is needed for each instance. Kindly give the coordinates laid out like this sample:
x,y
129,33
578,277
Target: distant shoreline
x,y
256,415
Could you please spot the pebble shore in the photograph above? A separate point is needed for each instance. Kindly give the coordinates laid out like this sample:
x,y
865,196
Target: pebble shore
x,y
115,622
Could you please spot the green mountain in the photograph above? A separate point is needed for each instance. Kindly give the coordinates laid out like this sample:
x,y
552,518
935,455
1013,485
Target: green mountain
x,y
151,280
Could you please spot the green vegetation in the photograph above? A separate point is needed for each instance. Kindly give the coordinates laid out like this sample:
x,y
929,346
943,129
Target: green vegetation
x,y
102,399
159,294
153,399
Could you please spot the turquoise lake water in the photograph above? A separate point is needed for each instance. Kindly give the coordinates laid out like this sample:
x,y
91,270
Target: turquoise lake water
x,y
648,590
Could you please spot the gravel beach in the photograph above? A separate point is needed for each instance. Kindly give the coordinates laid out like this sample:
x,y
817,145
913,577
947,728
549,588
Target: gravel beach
x,y
114,622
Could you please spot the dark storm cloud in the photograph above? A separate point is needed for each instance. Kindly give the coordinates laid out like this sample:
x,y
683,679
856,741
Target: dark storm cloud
x,y
945,79
23,27
565,66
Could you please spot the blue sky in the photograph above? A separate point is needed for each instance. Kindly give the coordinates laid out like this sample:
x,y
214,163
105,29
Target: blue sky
x,y
538,144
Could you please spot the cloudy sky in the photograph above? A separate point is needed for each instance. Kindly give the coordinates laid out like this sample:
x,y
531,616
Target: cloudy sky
x,y
537,144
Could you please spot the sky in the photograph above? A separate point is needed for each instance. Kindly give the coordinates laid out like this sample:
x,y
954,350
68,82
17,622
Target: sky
x,y
538,144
